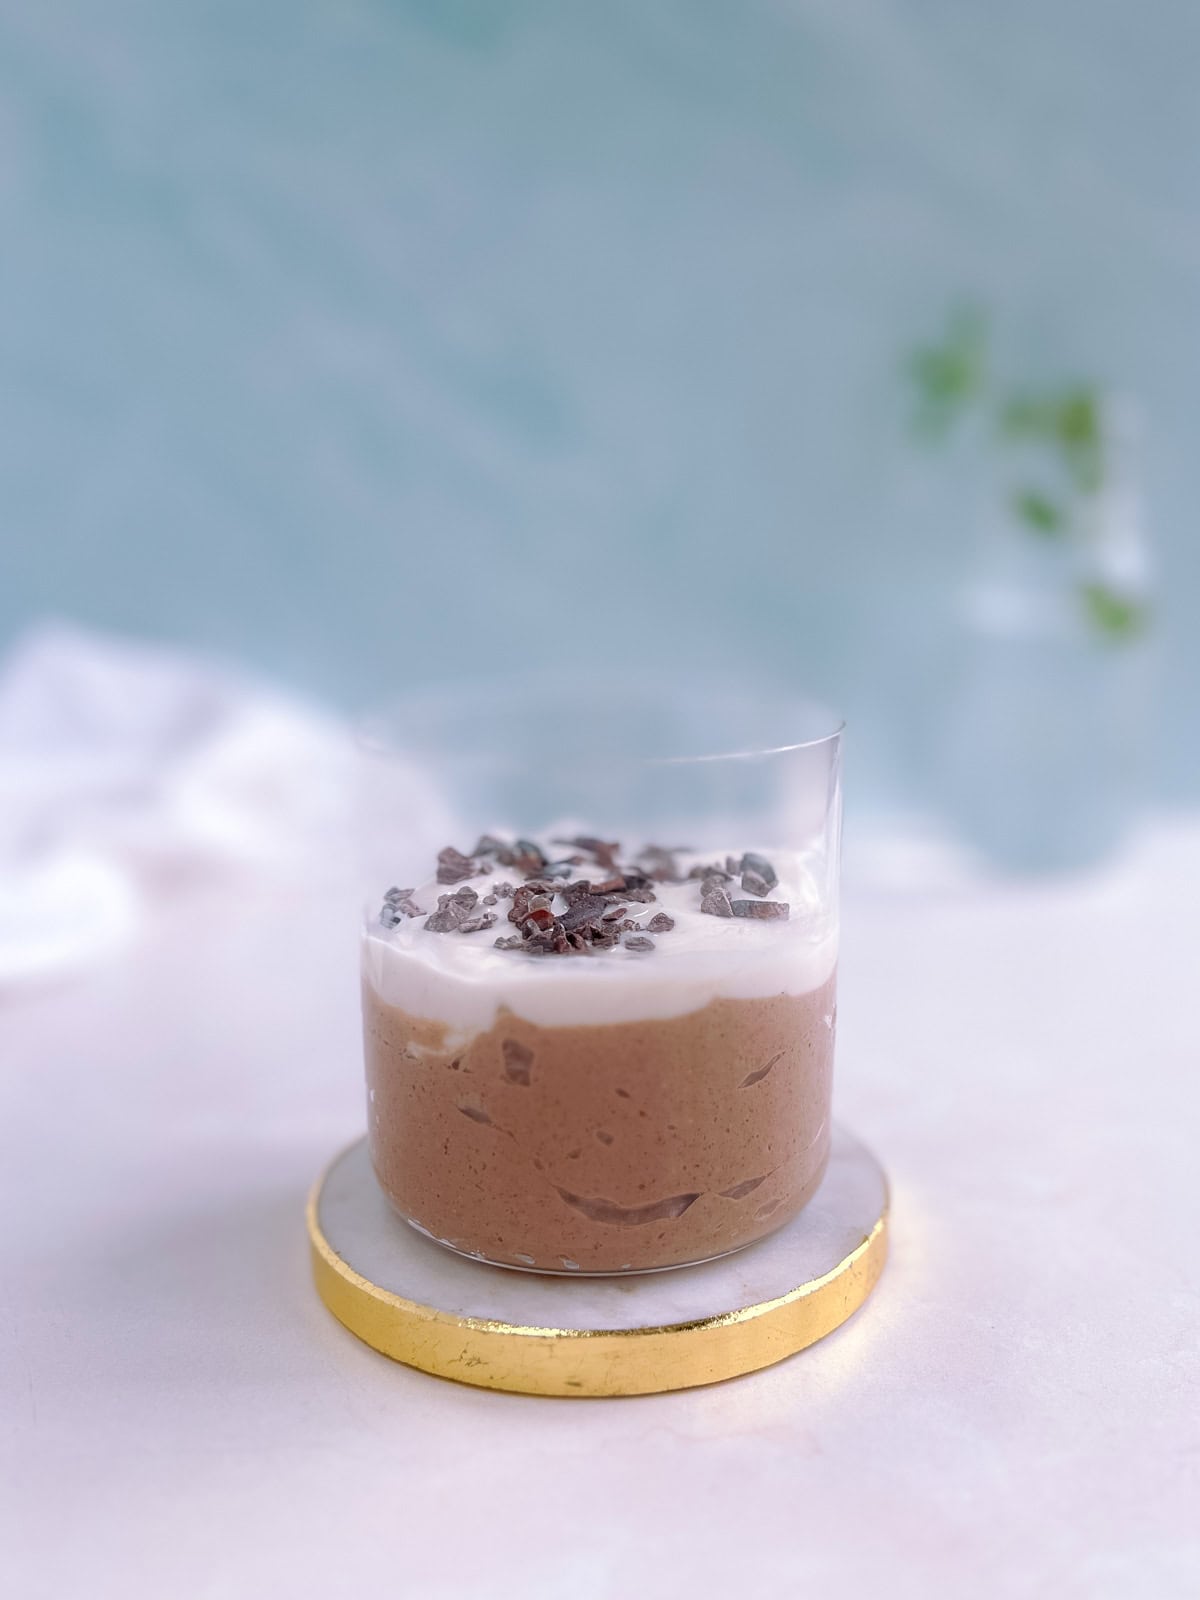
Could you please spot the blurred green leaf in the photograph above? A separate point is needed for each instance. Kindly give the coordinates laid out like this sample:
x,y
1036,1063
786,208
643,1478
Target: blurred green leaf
x,y
1038,512
1079,419
1068,423
1117,616
949,375
1080,436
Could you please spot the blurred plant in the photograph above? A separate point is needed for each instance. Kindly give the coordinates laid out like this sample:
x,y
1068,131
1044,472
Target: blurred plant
x,y
1052,444
949,377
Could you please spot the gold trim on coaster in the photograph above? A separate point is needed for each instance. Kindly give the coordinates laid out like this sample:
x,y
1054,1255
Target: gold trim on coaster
x,y
604,1361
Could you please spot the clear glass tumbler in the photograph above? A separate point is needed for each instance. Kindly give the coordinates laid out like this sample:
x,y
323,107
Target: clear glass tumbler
x,y
599,968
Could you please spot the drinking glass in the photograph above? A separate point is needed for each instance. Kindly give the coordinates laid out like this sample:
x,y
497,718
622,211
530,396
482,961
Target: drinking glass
x,y
638,1076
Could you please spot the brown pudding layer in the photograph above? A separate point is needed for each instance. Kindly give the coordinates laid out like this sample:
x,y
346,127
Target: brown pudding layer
x,y
615,1147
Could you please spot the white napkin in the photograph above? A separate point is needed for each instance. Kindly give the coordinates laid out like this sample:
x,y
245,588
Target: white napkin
x,y
124,768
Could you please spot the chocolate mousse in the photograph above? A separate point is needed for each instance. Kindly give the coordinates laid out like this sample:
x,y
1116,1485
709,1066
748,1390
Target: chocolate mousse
x,y
581,1063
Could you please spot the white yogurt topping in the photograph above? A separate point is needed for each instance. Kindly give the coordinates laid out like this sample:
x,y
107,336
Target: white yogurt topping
x,y
462,980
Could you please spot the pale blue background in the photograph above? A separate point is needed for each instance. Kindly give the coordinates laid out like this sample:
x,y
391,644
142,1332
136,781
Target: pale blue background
x,y
369,342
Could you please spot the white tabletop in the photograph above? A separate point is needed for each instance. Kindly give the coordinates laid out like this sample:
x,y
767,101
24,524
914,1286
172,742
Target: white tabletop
x,y
1014,1413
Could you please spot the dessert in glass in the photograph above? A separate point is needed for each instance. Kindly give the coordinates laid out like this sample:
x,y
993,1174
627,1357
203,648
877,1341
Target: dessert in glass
x,y
599,1008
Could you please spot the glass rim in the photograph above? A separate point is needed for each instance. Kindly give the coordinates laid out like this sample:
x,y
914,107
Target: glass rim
x,y
379,727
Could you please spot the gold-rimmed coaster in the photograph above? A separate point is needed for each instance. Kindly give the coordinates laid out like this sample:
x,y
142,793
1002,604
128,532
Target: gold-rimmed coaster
x,y
421,1304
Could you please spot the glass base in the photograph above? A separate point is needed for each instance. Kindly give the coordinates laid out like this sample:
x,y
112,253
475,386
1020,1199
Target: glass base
x,y
583,1272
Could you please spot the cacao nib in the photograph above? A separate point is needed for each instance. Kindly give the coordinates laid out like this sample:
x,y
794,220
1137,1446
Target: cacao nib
x,y
453,866
756,863
716,902
609,885
583,911
767,910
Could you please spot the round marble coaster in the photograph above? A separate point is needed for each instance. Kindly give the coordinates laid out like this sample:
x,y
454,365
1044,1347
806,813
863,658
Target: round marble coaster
x,y
419,1303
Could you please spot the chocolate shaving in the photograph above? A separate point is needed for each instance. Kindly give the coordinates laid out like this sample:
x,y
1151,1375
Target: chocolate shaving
x,y
518,1062
520,904
587,909
596,913
756,863
765,910
637,879
714,869
540,911
760,1073
660,863
397,904
716,902
599,1209
526,857
739,1191
453,866
601,849
446,918
542,886
454,910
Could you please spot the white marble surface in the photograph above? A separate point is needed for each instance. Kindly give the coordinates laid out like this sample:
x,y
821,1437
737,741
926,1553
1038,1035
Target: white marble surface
x,y
365,1232
1014,1414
